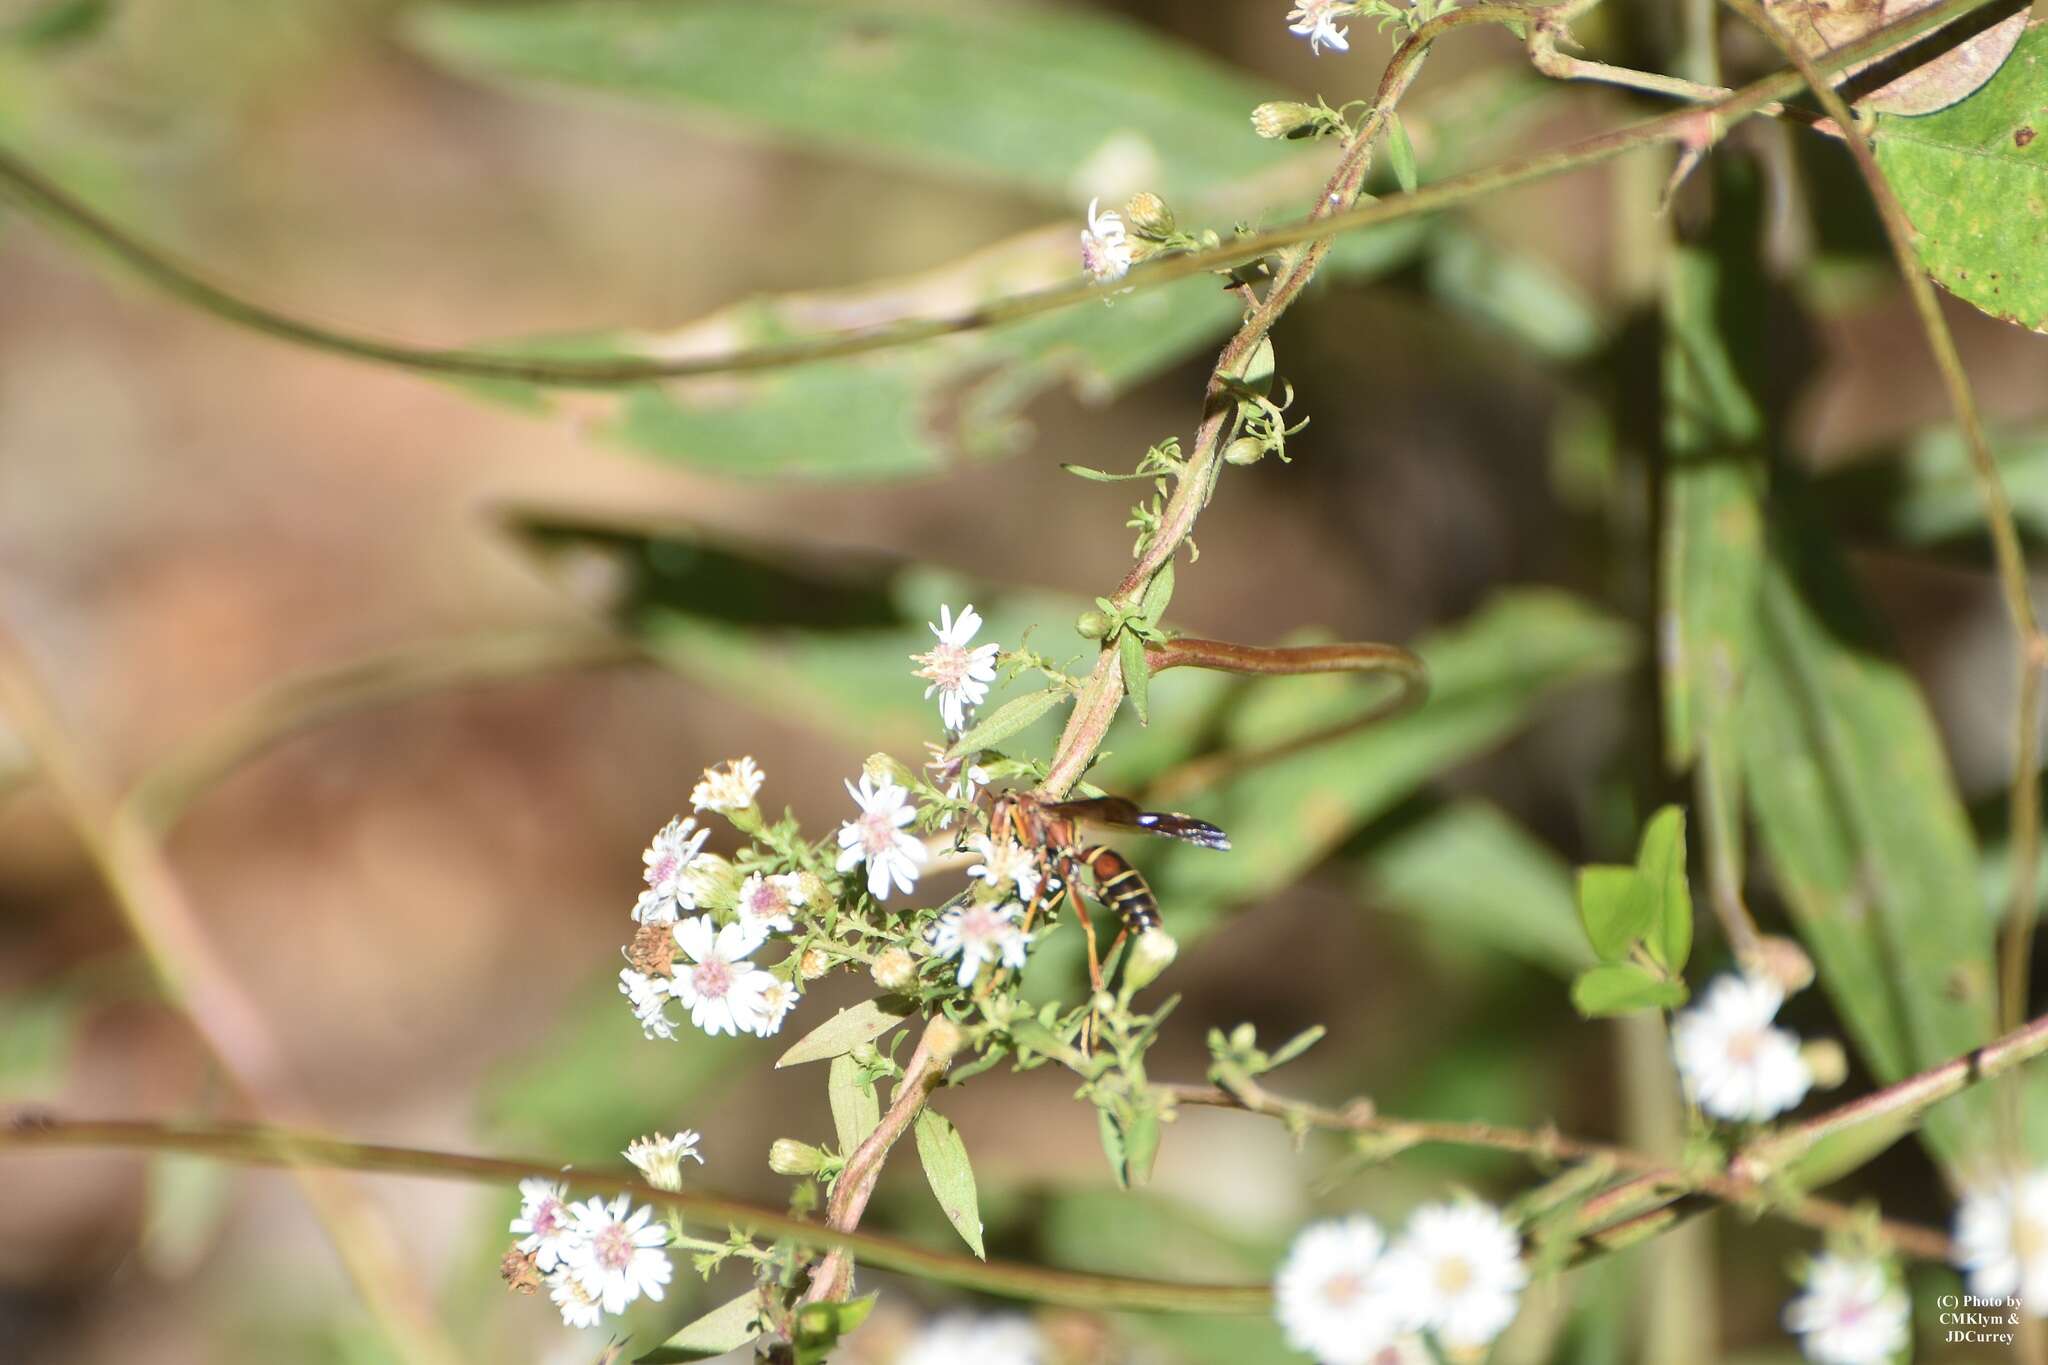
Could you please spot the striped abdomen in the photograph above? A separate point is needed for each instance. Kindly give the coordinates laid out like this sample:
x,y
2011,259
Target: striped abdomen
x,y
1120,887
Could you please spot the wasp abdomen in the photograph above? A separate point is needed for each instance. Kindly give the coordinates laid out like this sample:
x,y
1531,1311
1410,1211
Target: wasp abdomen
x,y
1122,888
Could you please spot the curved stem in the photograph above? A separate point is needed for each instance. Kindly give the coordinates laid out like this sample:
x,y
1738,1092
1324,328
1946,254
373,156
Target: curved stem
x,y
36,193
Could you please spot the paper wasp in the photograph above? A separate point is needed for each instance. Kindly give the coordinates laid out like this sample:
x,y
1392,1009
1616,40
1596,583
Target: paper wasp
x,y
1053,829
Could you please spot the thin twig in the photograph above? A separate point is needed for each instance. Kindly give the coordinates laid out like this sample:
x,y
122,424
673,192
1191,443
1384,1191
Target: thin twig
x,y
256,1146
35,192
833,1278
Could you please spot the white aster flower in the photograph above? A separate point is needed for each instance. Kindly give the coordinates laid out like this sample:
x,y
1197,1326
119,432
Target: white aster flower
x,y
1457,1273
1734,1063
776,1000
2002,1241
579,1307
668,858
877,838
732,786
959,674
661,1159
544,1224
1005,860
766,902
1106,253
719,987
1316,20
1328,1296
1852,1313
982,1339
649,996
619,1255
978,933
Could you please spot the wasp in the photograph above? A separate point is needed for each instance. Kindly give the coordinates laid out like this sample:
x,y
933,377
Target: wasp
x,y
1054,828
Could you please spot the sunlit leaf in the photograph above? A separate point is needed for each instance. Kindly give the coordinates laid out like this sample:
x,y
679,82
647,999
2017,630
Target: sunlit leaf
x,y
1617,906
951,1176
856,1109
1009,718
1623,988
725,1328
1660,863
1973,179
845,1031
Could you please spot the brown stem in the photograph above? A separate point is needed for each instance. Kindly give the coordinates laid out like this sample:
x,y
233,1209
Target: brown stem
x,y
833,1278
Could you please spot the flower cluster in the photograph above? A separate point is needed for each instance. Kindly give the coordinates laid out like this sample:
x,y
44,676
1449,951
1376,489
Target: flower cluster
x,y
593,1258
1734,1062
1348,1298
1316,20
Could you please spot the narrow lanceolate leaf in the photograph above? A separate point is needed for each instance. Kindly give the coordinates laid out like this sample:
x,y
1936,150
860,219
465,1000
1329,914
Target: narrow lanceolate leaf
x,y
845,1031
1973,179
1712,547
1623,988
1866,835
1158,593
725,1328
856,1109
1137,673
1007,719
1661,865
1401,154
951,1177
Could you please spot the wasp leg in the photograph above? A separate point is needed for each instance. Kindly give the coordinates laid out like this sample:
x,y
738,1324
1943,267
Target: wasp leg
x,y
1087,928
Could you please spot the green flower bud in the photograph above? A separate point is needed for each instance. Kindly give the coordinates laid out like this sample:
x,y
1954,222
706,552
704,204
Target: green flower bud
x,y
1244,450
1092,625
790,1157
1284,118
1152,954
1148,215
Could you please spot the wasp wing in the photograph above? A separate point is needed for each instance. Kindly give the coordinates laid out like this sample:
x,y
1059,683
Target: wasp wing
x,y
1120,813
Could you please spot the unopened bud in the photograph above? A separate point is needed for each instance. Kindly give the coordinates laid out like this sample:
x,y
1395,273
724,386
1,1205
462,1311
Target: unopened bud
x,y
894,970
1148,215
1826,1061
1092,625
813,964
1152,954
880,768
944,1038
1781,962
787,1156
1283,118
1243,1038
1244,450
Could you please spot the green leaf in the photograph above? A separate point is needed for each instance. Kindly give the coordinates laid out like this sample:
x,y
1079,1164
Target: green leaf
x,y
1007,719
1928,494
1401,153
1111,1133
725,1328
1623,988
1660,863
1141,1141
856,1109
820,1326
951,1177
846,1030
1056,100
1158,592
1137,673
1973,178
1295,1046
1473,875
1617,907
1102,475
1867,838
